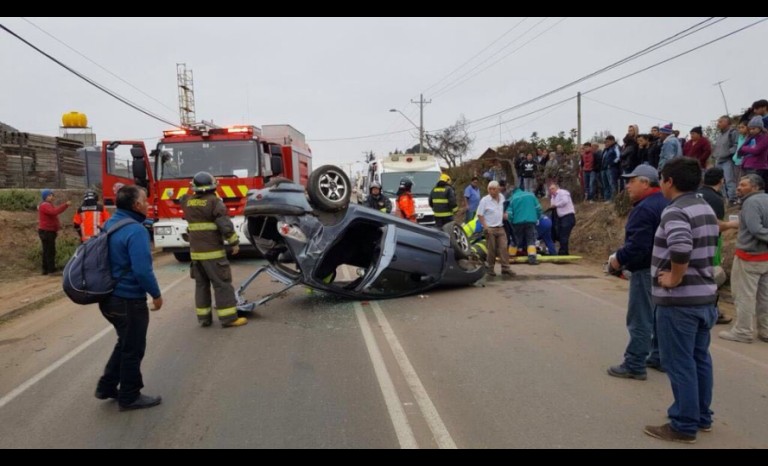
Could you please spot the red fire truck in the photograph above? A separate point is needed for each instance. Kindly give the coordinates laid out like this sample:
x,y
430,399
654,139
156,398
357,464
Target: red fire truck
x,y
240,157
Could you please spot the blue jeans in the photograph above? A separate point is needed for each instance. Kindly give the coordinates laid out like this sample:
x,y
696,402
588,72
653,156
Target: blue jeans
x,y
589,184
729,187
684,346
641,324
608,184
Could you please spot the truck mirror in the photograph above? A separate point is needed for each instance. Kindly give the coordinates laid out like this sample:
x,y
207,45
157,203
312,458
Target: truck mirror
x,y
153,154
277,165
140,172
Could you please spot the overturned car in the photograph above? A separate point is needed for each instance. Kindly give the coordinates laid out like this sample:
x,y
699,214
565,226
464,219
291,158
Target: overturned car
x,y
306,240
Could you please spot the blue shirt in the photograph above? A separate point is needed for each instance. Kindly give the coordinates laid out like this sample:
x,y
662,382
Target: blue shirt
x,y
473,197
130,257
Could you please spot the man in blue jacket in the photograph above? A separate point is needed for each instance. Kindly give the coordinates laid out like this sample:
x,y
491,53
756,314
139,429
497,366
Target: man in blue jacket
x,y
635,256
130,259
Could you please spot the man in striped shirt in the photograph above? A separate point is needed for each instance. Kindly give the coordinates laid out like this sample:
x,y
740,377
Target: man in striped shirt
x,y
684,292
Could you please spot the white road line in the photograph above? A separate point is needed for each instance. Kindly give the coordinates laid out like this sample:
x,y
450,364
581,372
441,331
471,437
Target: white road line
x,y
428,410
717,346
43,373
395,408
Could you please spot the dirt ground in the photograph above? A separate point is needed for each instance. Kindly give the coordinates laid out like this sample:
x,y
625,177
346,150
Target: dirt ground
x,y
18,237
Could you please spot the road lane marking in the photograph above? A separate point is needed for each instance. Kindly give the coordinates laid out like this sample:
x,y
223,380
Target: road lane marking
x,y
395,408
439,431
717,346
44,373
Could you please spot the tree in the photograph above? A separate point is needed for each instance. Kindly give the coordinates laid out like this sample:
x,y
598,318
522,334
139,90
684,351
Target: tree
x,y
451,143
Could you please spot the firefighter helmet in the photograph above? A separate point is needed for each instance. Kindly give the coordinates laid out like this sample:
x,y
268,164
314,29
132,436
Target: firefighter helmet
x,y
445,177
90,195
203,182
374,185
406,184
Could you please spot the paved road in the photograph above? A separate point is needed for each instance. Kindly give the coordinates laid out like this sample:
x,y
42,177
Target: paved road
x,y
517,363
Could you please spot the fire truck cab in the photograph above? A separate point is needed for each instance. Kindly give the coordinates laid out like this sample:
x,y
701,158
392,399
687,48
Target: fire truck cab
x,y
240,157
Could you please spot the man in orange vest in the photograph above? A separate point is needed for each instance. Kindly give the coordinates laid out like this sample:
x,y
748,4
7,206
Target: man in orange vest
x,y
90,216
405,205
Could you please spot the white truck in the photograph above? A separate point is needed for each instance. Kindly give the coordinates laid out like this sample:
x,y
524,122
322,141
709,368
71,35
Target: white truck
x,y
422,169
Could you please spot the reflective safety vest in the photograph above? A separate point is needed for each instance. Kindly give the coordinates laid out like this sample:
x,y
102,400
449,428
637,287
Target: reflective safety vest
x,y
89,219
406,207
472,228
442,199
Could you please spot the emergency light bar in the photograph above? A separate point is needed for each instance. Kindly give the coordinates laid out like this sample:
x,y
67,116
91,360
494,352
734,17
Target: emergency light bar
x,y
175,132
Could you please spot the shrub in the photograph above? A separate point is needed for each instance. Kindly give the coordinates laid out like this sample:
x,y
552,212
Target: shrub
x,y
65,248
19,199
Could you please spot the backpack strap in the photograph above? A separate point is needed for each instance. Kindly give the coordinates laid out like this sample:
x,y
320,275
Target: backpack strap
x,y
120,225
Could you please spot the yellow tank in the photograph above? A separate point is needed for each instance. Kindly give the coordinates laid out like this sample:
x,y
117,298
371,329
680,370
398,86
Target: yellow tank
x,y
74,120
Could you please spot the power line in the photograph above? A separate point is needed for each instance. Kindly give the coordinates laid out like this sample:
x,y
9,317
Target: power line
x,y
97,64
89,80
631,74
660,44
456,84
476,55
467,75
637,113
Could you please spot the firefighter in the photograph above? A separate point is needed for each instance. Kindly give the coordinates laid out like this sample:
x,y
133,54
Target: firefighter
x,y
405,206
442,200
378,201
90,216
209,226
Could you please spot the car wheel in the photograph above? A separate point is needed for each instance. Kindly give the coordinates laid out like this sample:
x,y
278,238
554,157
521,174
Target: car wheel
x,y
329,188
459,240
182,256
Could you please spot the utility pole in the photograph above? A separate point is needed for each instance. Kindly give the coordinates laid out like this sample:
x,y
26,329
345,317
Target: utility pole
x,y
578,120
421,103
720,85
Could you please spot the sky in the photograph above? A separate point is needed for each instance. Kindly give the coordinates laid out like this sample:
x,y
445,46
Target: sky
x,y
335,79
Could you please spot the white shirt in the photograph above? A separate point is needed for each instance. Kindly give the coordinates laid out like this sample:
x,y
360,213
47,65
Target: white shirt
x,y
562,201
491,210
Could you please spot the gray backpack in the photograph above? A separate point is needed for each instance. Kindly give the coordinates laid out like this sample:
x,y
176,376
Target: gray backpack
x,y
87,275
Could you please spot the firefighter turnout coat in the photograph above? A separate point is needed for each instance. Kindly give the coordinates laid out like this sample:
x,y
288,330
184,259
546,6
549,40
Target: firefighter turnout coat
x,y
209,226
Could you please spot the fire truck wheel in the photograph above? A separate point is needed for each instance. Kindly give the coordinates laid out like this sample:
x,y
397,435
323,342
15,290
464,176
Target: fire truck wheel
x,y
329,188
459,240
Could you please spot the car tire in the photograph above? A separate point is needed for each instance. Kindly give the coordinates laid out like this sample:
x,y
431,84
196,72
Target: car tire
x,y
329,188
459,241
182,256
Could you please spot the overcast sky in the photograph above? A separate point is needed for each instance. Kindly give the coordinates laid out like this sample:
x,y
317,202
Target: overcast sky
x,y
335,79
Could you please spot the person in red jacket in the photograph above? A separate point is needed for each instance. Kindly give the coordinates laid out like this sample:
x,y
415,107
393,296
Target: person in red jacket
x,y
90,216
405,205
48,226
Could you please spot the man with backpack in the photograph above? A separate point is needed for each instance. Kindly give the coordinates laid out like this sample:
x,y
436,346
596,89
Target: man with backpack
x,y
130,259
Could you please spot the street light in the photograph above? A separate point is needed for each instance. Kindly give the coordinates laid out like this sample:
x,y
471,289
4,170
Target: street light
x,y
421,130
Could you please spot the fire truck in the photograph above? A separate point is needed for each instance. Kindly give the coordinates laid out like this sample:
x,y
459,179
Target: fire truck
x,y
240,157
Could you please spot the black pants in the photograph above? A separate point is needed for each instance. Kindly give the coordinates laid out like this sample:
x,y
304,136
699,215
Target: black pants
x,y
565,225
48,238
130,317
440,222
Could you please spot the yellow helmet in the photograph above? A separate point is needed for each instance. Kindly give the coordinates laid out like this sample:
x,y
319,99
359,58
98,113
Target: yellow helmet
x,y
445,177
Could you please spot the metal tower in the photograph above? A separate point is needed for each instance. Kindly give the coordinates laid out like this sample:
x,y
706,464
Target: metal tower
x,y
186,95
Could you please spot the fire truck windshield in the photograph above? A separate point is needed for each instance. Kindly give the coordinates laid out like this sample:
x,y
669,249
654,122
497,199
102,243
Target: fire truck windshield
x,y
219,158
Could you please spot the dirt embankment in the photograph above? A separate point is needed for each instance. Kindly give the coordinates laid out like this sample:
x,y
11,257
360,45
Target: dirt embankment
x,y
19,240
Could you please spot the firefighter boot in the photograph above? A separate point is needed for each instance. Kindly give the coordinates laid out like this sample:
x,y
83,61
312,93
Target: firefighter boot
x,y
236,323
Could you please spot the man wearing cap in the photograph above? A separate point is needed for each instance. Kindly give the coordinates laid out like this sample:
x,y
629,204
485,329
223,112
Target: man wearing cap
x,y
670,146
698,148
643,348
47,228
